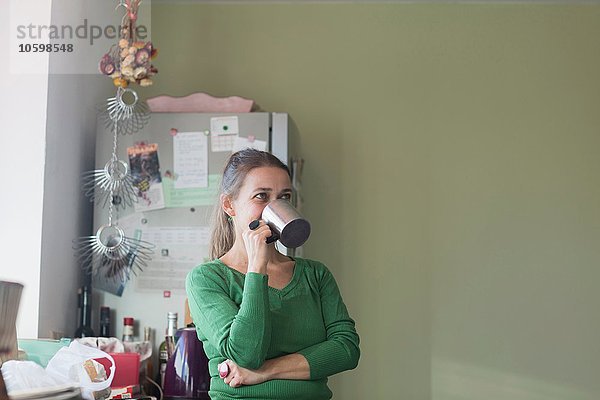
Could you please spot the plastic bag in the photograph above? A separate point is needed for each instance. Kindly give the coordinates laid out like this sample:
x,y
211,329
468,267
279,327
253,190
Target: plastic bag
x,y
21,376
67,366
66,369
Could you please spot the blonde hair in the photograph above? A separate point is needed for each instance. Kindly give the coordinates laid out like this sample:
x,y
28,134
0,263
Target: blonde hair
x,y
237,168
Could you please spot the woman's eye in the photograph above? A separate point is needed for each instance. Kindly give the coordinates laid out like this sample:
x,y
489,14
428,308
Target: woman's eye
x,y
286,196
261,196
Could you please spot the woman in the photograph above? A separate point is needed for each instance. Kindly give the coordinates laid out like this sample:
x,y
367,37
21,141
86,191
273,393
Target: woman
x,y
274,326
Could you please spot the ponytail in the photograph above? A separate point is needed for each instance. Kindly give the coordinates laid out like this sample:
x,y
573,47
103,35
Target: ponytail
x,y
223,233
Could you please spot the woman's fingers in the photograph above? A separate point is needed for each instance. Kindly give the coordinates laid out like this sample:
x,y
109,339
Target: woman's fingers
x,y
234,381
257,225
271,237
257,249
258,234
229,374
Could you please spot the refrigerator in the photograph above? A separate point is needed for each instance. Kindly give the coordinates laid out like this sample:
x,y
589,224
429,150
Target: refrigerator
x,y
179,227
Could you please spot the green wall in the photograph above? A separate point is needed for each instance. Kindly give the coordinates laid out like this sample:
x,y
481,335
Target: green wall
x,y
451,177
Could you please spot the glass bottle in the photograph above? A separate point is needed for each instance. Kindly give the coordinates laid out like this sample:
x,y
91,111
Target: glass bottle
x,y
104,321
85,312
167,347
149,388
128,329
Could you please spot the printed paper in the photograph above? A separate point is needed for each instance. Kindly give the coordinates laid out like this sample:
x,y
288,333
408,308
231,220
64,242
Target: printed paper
x,y
145,170
178,250
224,125
192,197
223,132
241,143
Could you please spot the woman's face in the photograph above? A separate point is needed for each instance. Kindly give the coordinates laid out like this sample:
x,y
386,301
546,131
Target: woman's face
x,y
261,186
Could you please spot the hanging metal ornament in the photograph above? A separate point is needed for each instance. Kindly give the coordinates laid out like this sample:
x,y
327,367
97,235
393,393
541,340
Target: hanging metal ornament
x,y
127,110
112,184
121,4
115,178
110,253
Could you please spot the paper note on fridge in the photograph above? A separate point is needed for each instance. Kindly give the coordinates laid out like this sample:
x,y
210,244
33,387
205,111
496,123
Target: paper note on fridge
x,y
224,125
190,160
178,250
241,143
223,131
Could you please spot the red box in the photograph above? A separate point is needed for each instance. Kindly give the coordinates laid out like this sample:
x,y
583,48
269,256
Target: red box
x,y
127,369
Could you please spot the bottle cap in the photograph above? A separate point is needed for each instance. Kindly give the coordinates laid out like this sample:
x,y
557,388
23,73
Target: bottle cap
x,y
128,321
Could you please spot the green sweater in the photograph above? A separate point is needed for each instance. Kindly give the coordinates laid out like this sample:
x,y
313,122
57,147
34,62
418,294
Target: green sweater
x,y
241,318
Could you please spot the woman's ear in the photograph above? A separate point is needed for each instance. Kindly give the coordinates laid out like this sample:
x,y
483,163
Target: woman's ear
x,y
227,205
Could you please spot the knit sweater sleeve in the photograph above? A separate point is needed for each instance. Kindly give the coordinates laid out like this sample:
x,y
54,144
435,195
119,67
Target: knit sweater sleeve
x,y
240,333
340,351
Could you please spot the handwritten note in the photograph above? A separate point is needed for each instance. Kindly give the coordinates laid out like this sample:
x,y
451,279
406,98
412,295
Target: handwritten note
x,y
190,160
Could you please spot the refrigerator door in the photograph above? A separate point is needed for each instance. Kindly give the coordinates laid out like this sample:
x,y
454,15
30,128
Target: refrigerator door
x,y
181,230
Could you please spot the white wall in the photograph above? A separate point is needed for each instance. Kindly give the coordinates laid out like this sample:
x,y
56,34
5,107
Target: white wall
x,y
71,130
70,150
23,103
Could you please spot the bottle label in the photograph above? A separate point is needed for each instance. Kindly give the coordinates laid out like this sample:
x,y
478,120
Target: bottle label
x,y
127,330
163,355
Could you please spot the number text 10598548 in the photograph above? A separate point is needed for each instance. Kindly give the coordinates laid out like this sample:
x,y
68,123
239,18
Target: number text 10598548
x,y
45,48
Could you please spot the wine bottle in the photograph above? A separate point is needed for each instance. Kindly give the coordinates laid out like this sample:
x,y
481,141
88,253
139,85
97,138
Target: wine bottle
x,y
85,312
167,347
104,321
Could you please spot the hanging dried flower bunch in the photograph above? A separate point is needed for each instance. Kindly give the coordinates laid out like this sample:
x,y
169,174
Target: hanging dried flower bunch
x,y
129,61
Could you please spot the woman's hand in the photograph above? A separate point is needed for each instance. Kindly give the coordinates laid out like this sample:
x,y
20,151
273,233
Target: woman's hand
x,y
236,376
291,366
255,241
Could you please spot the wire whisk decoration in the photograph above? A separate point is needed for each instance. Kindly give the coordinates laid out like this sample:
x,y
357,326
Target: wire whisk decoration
x,y
128,110
111,253
113,184
113,178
